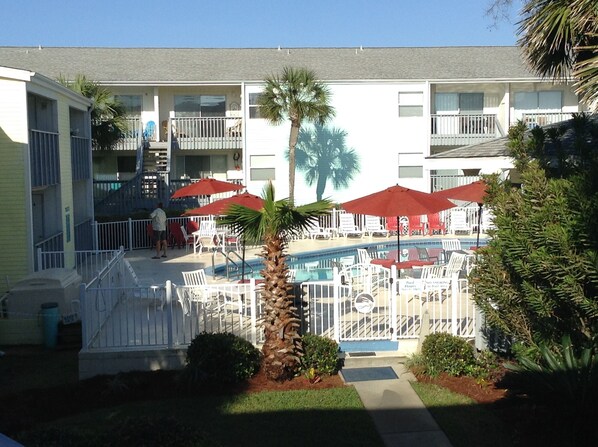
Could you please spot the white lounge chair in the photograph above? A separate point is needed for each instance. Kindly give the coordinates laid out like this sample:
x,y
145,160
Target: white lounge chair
x,y
458,222
347,227
373,226
315,231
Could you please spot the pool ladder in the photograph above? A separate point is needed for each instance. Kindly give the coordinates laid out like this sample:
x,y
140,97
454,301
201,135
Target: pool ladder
x,y
234,263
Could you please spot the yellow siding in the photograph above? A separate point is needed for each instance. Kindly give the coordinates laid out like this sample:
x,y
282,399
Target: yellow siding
x,y
66,182
15,258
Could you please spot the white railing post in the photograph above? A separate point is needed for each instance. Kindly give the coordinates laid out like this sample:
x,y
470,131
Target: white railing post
x,y
394,294
253,307
130,231
94,235
83,313
39,259
336,299
455,299
169,314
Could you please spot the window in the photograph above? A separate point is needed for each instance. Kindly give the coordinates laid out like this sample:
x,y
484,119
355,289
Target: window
x,y
131,104
409,165
411,104
197,166
534,101
199,105
254,108
459,103
262,167
411,171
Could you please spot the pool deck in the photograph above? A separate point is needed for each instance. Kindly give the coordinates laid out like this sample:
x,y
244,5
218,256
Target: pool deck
x,y
158,271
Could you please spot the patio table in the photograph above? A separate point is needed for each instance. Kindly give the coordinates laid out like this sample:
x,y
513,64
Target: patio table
x,y
401,265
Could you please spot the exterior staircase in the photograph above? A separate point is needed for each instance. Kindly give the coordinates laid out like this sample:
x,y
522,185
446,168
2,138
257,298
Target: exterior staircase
x,y
155,157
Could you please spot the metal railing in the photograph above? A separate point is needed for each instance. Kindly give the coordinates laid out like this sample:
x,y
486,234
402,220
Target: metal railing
x,y
45,158
543,119
133,137
207,132
463,129
80,158
119,315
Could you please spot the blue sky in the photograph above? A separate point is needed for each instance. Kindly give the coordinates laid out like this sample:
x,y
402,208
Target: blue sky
x,y
253,24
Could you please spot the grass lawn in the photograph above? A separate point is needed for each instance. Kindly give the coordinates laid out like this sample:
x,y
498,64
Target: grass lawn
x,y
463,420
39,390
292,418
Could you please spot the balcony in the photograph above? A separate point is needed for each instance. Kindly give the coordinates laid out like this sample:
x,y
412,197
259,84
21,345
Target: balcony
x,y
207,133
44,158
542,119
463,130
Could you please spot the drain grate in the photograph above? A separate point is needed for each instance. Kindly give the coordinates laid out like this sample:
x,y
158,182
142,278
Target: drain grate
x,y
372,373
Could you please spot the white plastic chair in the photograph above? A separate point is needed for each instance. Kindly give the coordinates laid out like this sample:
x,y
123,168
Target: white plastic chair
x,y
347,226
458,222
373,226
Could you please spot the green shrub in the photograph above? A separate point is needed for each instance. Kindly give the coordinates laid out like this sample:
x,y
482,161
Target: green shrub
x,y
447,353
321,354
221,357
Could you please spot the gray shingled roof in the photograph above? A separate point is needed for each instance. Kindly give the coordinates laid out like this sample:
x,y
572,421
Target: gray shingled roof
x,y
492,148
196,65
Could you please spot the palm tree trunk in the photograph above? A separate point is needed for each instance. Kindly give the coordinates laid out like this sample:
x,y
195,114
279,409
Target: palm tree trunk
x,y
293,137
281,325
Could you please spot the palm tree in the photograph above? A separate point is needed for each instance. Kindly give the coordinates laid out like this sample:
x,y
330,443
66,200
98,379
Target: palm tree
x,y
272,225
323,155
108,123
559,39
295,95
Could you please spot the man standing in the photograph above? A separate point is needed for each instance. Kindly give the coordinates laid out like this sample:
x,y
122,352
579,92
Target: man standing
x,y
159,225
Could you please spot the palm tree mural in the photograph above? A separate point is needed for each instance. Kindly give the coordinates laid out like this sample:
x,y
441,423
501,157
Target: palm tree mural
x,y
295,95
323,155
271,226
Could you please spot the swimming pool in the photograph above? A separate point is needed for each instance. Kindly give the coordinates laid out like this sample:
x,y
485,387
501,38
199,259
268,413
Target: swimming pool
x,y
317,265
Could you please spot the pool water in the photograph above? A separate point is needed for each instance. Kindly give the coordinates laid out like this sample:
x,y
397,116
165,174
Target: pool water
x,y
317,265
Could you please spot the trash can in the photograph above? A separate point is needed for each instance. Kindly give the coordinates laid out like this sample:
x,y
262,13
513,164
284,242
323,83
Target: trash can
x,y
50,318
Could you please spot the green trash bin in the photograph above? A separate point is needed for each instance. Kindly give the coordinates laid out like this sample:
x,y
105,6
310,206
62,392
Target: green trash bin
x,y
50,318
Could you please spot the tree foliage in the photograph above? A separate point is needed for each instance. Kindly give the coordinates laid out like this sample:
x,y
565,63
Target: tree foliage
x,y
108,123
295,95
537,280
271,226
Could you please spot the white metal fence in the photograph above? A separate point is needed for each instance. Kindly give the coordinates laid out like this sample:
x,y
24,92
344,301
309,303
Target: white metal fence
x,y
364,302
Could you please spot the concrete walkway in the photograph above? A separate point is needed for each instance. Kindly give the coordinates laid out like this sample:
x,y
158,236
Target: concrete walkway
x,y
397,411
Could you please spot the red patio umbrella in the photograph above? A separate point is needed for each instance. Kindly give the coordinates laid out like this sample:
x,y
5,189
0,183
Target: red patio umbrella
x,y
219,206
397,201
206,187
472,192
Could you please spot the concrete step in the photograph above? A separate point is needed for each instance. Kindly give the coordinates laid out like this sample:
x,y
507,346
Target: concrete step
x,y
364,360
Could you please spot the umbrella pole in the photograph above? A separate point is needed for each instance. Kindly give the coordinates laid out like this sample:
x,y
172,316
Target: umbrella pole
x,y
398,245
479,224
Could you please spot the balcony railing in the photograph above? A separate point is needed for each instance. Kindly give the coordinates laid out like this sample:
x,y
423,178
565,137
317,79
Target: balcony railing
x,y
80,158
543,119
133,136
452,130
207,133
45,159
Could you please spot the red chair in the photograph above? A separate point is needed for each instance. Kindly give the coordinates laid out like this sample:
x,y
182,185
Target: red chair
x,y
391,224
416,225
192,226
435,225
175,235
150,234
